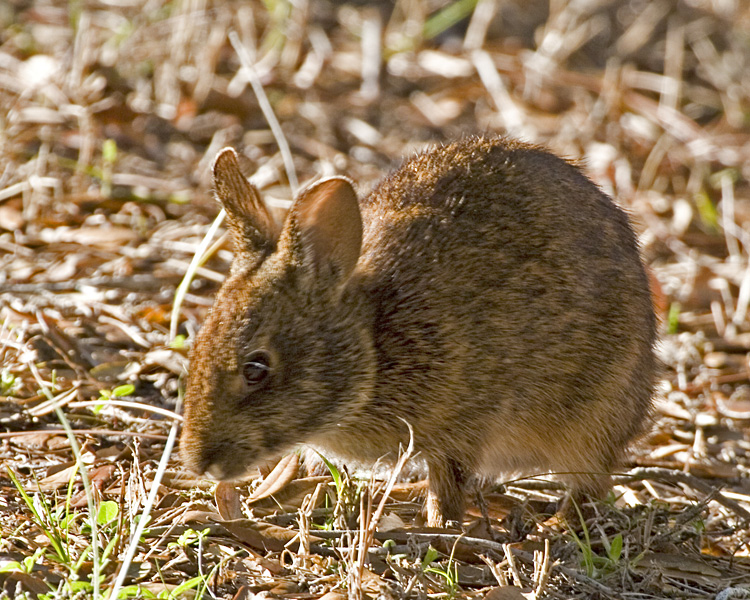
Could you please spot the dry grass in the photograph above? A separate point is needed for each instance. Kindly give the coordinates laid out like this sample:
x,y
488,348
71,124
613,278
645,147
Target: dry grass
x,y
111,113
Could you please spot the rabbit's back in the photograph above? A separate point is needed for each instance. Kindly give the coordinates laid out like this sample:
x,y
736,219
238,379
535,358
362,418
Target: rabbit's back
x,y
512,308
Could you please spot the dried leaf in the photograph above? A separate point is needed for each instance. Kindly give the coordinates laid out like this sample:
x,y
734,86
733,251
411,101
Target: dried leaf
x,y
389,522
737,406
284,472
506,592
37,441
261,536
293,494
243,593
11,218
23,582
682,564
99,476
228,501
57,480
333,596
103,237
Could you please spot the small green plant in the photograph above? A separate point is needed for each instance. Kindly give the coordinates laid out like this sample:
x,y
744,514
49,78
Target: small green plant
x,y
134,591
700,525
50,387
707,212
276,36
103,173
9,383
436,24
429,557
189,537
25,566
199,581
57,522
120,391
594,564
673,318
48,520
108,512
449,572
730,175
614,551
107,524
348,493
447,17
178,342
335,474
584,545
109,157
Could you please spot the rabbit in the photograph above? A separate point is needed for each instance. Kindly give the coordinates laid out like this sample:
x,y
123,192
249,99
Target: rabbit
x,y
486,293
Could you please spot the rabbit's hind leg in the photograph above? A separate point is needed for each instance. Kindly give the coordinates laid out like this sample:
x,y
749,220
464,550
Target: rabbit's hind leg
x,y
446,499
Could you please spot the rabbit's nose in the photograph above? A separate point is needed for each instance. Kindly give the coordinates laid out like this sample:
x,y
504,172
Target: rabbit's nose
x,y
223,463
209,461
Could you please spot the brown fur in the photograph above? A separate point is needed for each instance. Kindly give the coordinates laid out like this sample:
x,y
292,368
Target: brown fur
x,y
497,303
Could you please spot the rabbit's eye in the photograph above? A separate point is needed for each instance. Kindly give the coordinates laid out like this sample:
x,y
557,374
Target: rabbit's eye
x,y
257,368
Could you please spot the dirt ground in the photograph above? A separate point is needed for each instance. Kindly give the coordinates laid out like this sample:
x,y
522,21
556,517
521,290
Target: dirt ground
x,y
111,112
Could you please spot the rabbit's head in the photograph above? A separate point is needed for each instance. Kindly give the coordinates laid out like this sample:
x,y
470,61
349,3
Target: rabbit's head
x,y
283,355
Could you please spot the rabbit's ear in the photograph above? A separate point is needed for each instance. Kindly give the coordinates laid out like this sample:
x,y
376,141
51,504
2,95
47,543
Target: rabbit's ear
x,y
253,228
324,226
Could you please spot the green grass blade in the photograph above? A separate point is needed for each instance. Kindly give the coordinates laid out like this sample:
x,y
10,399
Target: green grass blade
x,y
447,17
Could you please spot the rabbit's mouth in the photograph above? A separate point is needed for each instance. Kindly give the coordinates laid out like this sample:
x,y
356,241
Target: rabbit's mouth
x,y
220,463
228,462
224,472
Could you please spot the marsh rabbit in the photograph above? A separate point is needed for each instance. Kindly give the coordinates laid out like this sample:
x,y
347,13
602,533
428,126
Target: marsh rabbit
x,y
486,292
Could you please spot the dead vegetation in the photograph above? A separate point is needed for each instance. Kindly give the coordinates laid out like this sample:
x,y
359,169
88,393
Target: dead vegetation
x,y
111,114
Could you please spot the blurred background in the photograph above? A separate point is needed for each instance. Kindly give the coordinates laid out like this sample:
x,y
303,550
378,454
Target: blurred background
x,y
111,112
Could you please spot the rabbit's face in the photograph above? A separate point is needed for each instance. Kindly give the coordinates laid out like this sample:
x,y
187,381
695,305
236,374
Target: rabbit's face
x,y
270,369
283,356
